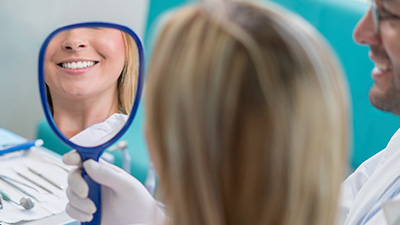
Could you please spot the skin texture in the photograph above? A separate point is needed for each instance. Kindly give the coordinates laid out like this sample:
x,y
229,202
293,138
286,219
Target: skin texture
x,y
385,52
84,97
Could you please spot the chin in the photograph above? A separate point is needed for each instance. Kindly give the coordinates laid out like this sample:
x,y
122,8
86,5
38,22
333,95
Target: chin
x,y
377,99
387,102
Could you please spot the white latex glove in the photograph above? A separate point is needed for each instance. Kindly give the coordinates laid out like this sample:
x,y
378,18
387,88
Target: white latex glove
x,y
124,200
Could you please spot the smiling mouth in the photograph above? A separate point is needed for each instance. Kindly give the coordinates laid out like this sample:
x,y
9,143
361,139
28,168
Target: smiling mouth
x,y
77,64
382,66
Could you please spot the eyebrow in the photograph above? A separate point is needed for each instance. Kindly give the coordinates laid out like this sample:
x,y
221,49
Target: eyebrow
x,y
390,1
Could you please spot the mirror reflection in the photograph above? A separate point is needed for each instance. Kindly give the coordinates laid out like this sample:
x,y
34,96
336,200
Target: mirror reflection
x,y
91,76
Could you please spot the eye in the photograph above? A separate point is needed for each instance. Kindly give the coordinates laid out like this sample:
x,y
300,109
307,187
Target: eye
x,y
385,14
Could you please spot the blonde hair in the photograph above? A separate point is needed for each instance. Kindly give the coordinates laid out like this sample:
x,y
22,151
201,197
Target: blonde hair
x,y
247,117
127,81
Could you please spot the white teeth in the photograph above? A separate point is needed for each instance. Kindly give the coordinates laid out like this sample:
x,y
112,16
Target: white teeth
x,y
382,67
77,65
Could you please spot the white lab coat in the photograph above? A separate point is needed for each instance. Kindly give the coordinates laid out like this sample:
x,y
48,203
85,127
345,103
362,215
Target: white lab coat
x,y
374,183
100,133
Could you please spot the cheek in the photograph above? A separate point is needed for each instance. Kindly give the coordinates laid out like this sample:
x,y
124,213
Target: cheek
x,y
393,54
392,50
113,50
52,49
48,70
114,55
390,41
118,56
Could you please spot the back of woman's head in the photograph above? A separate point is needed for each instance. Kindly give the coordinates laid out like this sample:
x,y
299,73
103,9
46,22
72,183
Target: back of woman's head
x,y
246,117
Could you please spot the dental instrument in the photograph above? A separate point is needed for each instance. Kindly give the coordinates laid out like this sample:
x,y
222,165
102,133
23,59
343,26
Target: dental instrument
x,y
18,182
26,203
18,188
58,164
45,178
22,146
34,182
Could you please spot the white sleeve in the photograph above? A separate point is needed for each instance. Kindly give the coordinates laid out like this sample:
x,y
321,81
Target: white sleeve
x,y
353,184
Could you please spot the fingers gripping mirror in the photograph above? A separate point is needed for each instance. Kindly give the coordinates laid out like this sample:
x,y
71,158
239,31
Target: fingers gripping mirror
x,y
90,82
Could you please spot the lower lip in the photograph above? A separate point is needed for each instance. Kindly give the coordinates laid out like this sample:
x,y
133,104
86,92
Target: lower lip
x,y
78,71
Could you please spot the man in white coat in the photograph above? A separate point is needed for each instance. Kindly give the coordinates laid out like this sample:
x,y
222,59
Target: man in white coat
x,y
371,194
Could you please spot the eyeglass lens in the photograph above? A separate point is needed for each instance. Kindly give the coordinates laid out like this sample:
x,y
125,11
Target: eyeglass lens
x,y
375,14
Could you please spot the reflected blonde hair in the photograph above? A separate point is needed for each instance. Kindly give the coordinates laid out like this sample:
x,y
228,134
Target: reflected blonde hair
x,y
127,81
247,117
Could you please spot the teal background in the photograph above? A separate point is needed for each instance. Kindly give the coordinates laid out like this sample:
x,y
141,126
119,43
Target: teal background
x,y
371,129
335,19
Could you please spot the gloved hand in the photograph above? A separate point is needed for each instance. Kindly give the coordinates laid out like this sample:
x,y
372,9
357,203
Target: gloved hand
x,y
124,199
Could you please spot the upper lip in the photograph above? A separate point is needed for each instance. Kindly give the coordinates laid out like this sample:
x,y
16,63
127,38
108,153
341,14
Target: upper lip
x,y
378,60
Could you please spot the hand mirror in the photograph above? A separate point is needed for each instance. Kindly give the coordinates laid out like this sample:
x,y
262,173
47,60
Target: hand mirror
x,y
90,83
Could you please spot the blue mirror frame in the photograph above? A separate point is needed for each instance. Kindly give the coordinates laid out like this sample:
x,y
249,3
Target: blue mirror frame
x,y
96,151
139,89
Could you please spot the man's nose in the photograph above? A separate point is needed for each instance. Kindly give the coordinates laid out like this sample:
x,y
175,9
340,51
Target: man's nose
x,y
365,32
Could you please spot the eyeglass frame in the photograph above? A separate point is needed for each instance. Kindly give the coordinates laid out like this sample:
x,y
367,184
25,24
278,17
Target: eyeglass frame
x,y
375,15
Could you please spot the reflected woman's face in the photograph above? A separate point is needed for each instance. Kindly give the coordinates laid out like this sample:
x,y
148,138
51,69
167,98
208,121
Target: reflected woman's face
x,y
84,62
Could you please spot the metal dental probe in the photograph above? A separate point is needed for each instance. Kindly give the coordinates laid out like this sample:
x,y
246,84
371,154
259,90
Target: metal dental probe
x,y
18,182
45,178
34,182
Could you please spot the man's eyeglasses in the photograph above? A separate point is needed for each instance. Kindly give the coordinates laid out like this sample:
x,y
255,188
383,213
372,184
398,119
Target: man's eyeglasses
x,y
375,14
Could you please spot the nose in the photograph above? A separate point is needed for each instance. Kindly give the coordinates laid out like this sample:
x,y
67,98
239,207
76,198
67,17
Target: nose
x,y
74,41
365,31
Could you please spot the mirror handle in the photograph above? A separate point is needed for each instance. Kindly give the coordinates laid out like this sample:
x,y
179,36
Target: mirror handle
x,y
94,189
95,196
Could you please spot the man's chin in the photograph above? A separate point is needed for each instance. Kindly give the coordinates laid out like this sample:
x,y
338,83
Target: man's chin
x,y
384,101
